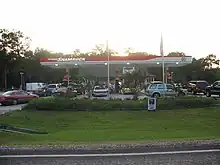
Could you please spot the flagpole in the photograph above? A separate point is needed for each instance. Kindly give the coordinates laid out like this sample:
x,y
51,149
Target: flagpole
x,y
162,54
107,50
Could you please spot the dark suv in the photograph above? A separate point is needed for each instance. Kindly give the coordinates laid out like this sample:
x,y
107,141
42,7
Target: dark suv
x,y
197,86
213,89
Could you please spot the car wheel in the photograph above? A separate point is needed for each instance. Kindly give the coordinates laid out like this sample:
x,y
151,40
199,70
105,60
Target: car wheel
x,y
14,102
156,95
208,94
3,104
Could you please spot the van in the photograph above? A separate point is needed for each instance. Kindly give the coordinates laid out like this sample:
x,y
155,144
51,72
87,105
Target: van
x,y
197,86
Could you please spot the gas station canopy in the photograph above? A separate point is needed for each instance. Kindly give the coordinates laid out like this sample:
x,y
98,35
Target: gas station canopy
x,y
97,65
93,61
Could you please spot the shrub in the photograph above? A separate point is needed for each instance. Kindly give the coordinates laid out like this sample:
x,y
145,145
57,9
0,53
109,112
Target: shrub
x,y
59,103
184,102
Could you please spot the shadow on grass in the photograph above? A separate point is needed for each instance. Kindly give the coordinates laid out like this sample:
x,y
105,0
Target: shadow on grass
x,y
9,128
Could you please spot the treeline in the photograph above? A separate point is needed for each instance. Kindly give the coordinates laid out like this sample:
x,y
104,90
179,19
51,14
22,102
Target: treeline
x,y
15,57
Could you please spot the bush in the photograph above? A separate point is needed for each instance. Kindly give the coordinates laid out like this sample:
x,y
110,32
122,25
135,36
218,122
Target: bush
x,y
184,102
63,104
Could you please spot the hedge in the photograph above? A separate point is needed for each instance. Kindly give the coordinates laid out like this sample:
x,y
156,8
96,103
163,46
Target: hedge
x,y
65,104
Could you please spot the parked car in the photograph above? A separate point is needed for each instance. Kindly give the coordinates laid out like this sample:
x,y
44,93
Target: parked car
x,y
161,89
100,91
65,91
37,86
197,86
16,97
126,90
156,82
213,89
53,87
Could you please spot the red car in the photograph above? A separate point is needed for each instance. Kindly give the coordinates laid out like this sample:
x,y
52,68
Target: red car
x,y
16,97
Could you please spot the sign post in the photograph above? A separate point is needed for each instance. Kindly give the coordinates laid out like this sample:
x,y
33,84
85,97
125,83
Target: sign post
x,y
152,104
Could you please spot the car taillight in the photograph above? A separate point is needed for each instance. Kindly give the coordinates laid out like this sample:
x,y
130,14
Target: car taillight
x,y
3,98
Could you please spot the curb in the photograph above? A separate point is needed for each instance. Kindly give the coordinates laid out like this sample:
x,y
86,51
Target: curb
x,y
112,148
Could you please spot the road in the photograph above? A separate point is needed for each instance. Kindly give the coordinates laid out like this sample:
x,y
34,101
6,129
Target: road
x,y
196,157
5,109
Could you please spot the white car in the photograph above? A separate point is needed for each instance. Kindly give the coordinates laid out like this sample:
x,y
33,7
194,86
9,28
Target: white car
x,y
100,91
53,87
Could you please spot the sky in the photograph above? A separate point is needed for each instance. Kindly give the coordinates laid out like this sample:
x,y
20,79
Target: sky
x,y
190,26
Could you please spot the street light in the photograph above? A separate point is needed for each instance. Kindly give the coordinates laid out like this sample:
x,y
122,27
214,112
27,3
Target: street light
x,y
108,54
21,77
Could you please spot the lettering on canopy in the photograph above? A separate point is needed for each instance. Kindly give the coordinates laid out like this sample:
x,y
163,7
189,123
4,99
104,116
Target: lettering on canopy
x,y
68,59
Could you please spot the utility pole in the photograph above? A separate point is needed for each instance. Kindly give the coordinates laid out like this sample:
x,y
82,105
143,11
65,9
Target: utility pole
x,y
21,77
107,50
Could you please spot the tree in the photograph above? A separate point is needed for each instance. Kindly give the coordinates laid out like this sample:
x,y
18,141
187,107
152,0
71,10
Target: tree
x,y
210,61
140,54
13,45
176,54
76,53
129,50
201,69
100,50
13,42
132,80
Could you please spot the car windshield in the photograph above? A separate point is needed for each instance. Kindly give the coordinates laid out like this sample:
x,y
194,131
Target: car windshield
x,y
203,83
152,86
8,93
52,86
100,87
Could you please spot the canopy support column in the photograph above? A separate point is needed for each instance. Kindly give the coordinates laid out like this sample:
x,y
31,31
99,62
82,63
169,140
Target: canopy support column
x,y
68,75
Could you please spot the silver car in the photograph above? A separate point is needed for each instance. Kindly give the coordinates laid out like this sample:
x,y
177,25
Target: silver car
x,y
53,87
161,89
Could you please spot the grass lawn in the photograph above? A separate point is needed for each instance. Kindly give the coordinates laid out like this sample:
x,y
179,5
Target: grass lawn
x,y
96,127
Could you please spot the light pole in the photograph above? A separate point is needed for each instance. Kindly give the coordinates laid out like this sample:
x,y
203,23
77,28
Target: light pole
x,y
21,77
108,74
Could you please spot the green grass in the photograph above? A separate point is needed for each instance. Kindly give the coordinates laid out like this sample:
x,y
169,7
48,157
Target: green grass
x,y
96,127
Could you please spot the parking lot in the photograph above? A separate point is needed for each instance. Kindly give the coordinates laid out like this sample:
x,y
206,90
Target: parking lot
x,y
5,109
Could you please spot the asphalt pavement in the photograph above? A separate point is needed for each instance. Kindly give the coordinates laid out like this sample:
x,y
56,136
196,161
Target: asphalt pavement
x,y
5,109
208,157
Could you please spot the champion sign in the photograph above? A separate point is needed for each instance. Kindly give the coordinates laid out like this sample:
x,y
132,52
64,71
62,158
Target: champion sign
x,y
70,59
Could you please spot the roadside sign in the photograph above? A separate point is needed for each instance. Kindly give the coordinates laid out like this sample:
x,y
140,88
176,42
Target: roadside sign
x,y
152,104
